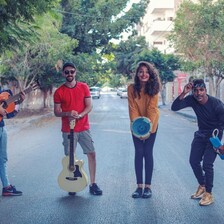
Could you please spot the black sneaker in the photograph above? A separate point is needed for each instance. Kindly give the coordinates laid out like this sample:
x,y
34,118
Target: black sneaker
x,y
10,191
147,193
72,193
95,190
137,193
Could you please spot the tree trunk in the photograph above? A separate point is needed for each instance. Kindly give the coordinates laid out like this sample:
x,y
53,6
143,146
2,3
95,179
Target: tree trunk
x,y
212,89
163,94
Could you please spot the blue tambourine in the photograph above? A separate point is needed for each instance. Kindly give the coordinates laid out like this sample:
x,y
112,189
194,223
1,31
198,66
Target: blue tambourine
x,y
141,127
216,143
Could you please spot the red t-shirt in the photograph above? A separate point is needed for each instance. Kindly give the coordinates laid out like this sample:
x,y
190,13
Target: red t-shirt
x,y
73,99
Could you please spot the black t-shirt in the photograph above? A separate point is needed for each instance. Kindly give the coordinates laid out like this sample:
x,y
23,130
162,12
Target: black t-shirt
x,y
209,115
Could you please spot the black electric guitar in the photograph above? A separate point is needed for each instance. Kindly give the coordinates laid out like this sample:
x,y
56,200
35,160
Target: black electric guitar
x,y
72,178
8,102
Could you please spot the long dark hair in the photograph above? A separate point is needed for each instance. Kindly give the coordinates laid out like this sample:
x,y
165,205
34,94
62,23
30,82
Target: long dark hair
x,y
153,85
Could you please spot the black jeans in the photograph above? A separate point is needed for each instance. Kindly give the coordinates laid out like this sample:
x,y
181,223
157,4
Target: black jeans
x,y
144,150
202,157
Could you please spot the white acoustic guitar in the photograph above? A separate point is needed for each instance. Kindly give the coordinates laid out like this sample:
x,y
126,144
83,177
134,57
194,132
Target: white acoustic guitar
x,y
72,178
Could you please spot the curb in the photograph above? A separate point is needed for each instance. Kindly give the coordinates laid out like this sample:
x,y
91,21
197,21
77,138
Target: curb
x,y
186,112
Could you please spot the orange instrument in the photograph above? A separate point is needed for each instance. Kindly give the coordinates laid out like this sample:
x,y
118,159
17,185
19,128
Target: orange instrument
x,y
8,102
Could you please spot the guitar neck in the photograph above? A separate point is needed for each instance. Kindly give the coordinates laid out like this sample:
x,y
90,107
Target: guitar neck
x,y
17,96
71,151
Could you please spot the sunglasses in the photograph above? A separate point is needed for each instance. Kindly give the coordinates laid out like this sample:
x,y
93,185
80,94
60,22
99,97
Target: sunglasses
x,y
201,85
69,71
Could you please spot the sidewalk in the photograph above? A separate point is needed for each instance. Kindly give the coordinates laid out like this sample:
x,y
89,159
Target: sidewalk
x,y
186,112
17,123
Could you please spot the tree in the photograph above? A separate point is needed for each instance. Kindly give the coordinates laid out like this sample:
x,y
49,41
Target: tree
x,y
17,21
198,34
95,23
126,52
41,58
165,63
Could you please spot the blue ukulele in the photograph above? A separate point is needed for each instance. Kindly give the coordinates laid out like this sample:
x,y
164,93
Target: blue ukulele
x,y
217,143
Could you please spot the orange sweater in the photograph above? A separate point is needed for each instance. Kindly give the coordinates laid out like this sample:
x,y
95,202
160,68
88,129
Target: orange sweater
x,y
146,106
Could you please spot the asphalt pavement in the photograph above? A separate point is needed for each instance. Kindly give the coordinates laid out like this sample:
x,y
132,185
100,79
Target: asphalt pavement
x,y
18,123
36,153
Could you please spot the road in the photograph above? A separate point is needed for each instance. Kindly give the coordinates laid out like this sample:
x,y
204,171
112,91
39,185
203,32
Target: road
x,y
35,155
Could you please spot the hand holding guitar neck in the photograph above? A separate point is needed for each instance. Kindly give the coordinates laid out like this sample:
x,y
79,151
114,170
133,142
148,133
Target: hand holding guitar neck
x,y
2,111
22,97
74,115
8,102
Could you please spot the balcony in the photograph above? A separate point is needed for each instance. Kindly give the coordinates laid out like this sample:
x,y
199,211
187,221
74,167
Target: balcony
x,y
160,26
156,6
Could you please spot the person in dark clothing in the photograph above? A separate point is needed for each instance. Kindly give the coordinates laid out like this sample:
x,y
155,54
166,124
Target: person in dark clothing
x,y
210,115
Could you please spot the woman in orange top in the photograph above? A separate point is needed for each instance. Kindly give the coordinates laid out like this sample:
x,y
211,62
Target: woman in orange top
x,y
143,97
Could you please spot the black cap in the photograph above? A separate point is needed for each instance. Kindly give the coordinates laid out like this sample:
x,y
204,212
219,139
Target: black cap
x,y
68,64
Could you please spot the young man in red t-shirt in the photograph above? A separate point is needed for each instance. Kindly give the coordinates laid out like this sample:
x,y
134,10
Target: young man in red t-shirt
x,y
72,100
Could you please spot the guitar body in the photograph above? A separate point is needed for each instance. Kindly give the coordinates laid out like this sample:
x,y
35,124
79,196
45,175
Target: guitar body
x,y
8,102
72,181
72,178
4,96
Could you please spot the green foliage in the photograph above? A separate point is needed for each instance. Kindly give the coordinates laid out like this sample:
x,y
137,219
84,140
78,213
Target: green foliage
x,y
115,80
199,32
42,58
165,63
95,23
87,27
126,53
90,68
17,21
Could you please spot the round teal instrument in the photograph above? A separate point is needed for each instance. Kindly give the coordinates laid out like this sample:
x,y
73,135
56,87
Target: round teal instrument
x,y
141,127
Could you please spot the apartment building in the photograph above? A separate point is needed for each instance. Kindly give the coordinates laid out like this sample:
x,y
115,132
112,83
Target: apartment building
x,y
158,22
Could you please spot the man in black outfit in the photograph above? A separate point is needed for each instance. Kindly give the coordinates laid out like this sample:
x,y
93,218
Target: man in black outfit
x,y
210,115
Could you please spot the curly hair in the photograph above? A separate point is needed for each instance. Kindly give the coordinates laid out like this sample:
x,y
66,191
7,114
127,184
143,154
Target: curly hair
x,y
153,85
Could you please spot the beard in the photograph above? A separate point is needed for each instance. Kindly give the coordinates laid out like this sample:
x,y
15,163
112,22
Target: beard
x,y
69,78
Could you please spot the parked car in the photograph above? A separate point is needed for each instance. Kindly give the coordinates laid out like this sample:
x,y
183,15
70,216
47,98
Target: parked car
x,y
119,90
95,92
124,94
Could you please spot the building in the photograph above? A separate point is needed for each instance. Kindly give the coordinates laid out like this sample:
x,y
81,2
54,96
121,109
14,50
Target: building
x,y
158,22
156,25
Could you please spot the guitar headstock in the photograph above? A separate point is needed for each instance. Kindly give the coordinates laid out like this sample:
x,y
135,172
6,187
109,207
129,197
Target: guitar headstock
x,y
35,85
72,124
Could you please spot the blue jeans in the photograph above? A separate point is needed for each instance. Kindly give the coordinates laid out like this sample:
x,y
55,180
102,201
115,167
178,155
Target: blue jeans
x,y
3,157
144,150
